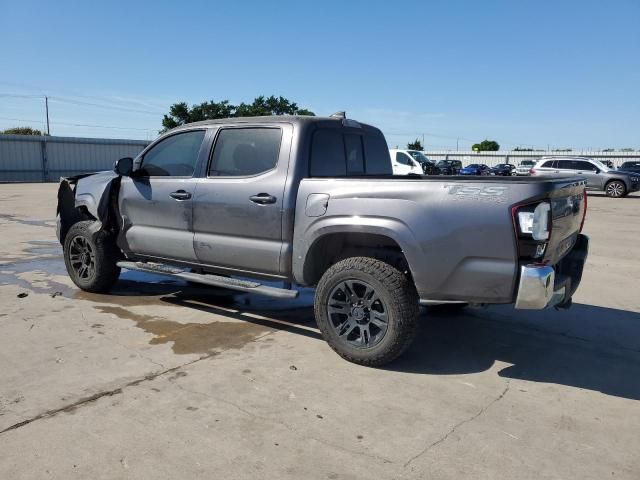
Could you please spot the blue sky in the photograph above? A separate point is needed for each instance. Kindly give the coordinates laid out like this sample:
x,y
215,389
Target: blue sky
x,y
529,73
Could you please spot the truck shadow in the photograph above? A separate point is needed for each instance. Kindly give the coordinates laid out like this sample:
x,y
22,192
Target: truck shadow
x,y
586,347
589,347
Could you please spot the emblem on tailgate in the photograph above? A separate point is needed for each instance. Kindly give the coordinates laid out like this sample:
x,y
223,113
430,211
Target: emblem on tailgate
x,y
479,193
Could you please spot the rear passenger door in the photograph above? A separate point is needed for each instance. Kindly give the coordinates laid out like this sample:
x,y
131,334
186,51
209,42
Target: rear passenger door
x,y
238,205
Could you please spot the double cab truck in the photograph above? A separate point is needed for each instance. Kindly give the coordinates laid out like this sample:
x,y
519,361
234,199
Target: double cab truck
x,y
267,204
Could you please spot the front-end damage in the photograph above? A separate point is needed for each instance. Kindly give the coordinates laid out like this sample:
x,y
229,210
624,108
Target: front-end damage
x,y
87,197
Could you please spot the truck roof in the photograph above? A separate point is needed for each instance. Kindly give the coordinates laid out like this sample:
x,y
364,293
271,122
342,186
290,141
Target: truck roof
x,y
294,119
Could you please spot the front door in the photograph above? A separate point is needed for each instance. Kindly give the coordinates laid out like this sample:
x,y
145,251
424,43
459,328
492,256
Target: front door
x,y
238,206
583,169
156,201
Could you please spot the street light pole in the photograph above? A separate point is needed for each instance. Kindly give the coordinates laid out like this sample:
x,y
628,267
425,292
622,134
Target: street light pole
x,y
46,106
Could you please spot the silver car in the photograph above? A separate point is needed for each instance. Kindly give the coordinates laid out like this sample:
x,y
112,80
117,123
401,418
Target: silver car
x,y
614,183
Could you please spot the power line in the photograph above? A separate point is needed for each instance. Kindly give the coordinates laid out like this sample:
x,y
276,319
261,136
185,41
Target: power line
x,y
80,102
77,124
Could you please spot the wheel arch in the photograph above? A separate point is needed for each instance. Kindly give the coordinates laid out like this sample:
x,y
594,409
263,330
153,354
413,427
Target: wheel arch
x,y
332,244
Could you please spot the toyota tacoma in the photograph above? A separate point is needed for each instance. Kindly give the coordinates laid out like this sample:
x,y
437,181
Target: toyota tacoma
x,y
267,204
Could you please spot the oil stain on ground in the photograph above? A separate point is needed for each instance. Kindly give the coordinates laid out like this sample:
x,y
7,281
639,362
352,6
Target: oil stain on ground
x,y
192,338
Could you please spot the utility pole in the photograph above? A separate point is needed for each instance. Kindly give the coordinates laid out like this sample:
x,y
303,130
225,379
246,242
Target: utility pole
x,y
457,144
46,106
423,140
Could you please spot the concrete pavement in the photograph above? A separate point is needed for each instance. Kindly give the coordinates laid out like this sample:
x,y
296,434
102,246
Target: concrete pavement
x,y
163,380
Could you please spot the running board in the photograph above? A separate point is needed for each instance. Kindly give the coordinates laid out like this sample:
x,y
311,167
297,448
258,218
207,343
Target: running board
x,y
211,280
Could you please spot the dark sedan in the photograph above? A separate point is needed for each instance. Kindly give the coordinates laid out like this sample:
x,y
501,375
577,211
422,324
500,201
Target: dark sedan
x,y
449,167
475,169
630,167
503,170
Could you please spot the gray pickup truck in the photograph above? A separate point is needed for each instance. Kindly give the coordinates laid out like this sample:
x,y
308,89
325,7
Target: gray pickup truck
x,y
246,203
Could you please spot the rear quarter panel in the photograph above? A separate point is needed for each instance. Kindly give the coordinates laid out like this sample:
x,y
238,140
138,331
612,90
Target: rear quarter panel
x,y
456,234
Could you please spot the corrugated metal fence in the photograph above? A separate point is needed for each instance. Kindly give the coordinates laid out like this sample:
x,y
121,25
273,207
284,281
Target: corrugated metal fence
x,y
29,158
515,157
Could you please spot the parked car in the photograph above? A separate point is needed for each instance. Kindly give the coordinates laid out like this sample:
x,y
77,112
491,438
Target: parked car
x,y
503,170
312,201
614,183
475,169
403,163
428,166
449,167
524,167
633,167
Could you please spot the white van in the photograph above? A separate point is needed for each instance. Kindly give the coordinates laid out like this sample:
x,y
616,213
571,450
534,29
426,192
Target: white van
x,y
402,163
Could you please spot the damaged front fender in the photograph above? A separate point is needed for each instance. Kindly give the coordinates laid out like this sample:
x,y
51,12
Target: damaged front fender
x,y
85,197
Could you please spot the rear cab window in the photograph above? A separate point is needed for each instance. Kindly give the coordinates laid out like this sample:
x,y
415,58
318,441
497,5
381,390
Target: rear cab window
x,y
340,152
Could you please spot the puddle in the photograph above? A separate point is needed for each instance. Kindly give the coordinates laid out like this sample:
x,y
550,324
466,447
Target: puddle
x,y
41,267
258,315
26,221
192,338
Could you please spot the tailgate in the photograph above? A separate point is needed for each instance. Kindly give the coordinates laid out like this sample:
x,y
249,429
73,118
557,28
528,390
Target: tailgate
x,y
568,208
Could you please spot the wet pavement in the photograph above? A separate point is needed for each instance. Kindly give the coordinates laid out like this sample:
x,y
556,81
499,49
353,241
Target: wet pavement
x,y
163,379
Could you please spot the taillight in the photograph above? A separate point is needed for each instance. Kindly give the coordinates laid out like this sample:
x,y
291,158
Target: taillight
x,y
584,214
532,224
532,172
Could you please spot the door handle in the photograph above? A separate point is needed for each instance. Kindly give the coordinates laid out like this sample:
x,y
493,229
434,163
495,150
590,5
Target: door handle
x,y
262,199
180,195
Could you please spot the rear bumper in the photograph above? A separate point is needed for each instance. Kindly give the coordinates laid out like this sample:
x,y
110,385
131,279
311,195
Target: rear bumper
x,y
543,286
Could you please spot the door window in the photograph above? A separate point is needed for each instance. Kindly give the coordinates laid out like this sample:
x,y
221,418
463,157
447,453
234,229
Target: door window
x,y
403,159
243,152
174,156
550,164
586,166
566,165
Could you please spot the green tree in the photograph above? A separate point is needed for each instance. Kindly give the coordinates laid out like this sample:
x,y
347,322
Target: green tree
x,y
180,113
22,131
486,146
415,145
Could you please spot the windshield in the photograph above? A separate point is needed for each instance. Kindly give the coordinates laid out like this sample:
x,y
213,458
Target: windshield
x,y
601,165
527,163
502,165
419,156
474,165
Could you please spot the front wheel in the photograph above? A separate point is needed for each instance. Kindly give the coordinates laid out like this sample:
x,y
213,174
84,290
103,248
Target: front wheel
x,y
367,310
615,189
90,258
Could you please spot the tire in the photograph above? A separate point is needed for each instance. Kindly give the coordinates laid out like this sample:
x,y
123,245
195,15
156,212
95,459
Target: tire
x,y
615,189
367,310
90,258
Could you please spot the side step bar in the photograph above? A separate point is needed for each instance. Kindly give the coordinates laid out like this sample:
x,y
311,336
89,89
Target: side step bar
x,y
211,280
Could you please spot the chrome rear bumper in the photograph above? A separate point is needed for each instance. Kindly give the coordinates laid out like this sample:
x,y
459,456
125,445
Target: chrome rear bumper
x,y
543,286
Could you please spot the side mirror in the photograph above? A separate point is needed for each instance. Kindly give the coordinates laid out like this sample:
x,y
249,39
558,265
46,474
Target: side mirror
x,y
124,166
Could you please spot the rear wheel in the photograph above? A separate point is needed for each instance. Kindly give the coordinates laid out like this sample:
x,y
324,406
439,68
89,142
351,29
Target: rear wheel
x,y
367,310
90,258
616,189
